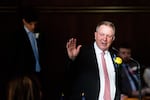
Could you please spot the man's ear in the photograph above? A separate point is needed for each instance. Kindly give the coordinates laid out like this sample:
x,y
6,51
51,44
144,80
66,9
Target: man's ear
x,y
113,38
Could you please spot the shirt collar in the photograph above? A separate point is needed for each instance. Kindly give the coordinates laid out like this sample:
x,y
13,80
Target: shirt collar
x,y
26,29
98,50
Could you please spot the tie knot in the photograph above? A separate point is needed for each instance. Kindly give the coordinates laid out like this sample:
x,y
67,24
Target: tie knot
x,y
30,32
103,53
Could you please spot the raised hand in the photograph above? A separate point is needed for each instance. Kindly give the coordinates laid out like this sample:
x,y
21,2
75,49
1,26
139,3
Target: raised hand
x,y
72,48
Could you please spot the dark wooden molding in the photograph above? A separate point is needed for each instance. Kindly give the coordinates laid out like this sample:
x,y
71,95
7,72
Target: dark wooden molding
x,y
7,9
102,9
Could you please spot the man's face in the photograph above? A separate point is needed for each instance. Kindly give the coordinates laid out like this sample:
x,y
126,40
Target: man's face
x,y
125,53
104,37
30,25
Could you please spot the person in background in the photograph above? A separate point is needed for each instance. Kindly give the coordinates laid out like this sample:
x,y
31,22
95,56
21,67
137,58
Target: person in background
x,y
27,51
146,76
85,67
27,44
24,88
130,77
146,79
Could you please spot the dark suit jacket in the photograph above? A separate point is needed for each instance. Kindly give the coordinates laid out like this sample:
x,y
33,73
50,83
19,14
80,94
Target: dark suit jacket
x,y
125,83
84,76
18,57
23,60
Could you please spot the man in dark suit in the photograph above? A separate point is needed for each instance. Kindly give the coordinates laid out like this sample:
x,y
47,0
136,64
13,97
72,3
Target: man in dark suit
x,y
130,79
26,44
85,71
19,56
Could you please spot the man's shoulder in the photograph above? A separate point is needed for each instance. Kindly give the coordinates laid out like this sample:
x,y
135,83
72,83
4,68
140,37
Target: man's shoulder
x,y
88,47
87,50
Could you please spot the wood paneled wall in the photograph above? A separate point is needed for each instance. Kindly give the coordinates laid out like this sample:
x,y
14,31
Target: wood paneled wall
x,y
60,20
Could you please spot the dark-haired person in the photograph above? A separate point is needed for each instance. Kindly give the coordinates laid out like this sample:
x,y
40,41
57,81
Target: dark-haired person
x,y
27,51
24,53
130,79
27,44
24,88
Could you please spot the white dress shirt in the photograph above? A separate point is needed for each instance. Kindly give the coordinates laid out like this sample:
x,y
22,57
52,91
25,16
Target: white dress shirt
x,y
110,69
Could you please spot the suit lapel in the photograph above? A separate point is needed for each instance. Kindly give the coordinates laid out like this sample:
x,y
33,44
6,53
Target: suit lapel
x,y
117,70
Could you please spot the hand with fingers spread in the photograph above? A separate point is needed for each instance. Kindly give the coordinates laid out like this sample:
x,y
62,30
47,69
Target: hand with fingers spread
x,y
72,48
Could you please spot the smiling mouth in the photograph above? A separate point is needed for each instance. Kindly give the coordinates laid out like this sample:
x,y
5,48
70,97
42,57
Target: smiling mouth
x,y
104,44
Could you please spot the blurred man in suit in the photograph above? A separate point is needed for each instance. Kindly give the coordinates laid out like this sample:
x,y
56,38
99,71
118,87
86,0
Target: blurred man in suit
x,y
26,52
27,46
130,78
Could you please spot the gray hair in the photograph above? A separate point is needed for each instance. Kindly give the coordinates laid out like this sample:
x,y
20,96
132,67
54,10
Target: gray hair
x,y
107,23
